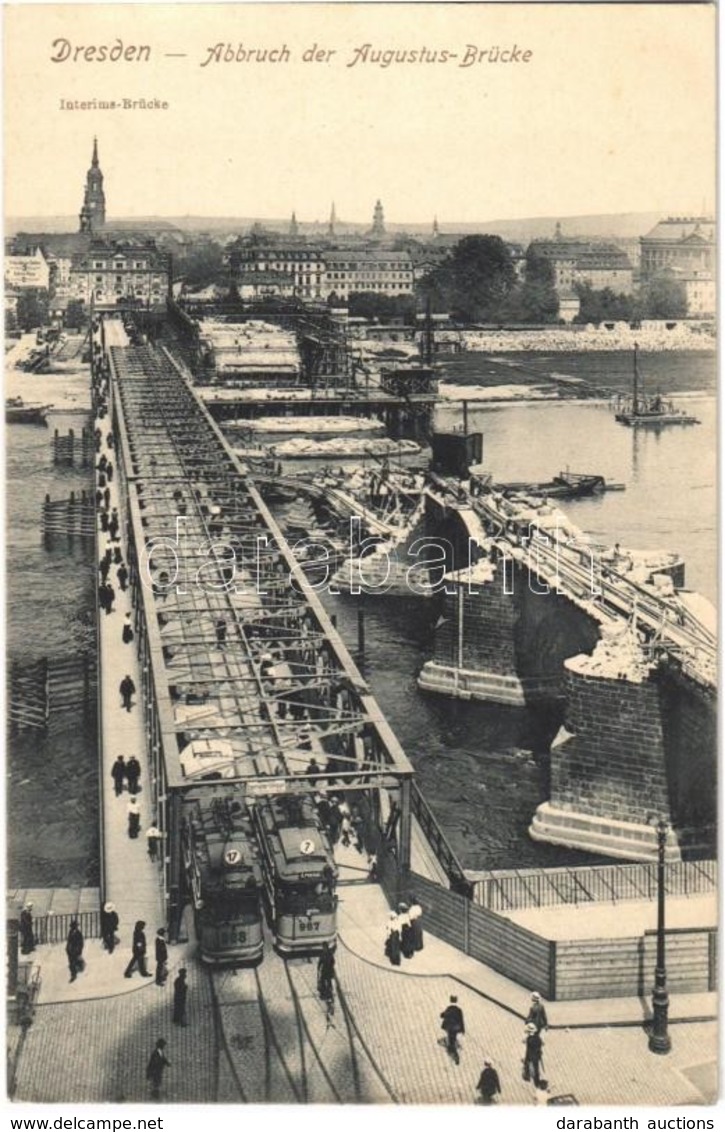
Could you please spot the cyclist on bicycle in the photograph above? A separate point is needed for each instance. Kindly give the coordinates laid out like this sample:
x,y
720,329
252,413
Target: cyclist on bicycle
x,y
325,972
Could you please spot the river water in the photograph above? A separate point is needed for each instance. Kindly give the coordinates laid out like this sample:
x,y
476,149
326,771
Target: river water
x,y
473,761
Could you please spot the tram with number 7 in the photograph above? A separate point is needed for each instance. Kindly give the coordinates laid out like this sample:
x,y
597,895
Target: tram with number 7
x,y
298,867
223,870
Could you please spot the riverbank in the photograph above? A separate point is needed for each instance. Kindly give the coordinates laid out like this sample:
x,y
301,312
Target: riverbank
x,y
528,375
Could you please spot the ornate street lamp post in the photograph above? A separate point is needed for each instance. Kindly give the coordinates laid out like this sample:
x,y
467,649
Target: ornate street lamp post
x,y
659,1038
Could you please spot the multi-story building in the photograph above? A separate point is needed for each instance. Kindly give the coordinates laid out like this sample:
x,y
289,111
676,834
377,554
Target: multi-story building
x,y
314,272
290,263
110,272
679,244
348,271
580,261
700,292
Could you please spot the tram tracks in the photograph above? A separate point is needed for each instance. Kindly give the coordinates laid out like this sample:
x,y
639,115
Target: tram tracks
x,y
280,1044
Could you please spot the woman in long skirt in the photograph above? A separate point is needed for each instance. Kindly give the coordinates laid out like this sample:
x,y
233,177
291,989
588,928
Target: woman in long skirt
x,y
392,940
415,913
406,932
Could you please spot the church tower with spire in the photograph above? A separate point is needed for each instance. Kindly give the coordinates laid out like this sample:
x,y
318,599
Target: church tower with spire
x,y
93,212
293,226
333,221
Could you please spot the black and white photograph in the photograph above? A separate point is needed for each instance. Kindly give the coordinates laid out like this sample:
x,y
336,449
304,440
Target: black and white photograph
x,y
361,561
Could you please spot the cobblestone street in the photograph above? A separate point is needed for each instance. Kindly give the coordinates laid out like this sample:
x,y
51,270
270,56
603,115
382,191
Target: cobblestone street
x,y
263,1035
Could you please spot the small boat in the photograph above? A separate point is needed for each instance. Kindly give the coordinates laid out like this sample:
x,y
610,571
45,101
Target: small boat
x,y
650,412
18,411
567,485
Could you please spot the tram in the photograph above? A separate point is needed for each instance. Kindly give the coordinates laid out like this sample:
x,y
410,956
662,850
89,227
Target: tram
x,y
298,867
223,869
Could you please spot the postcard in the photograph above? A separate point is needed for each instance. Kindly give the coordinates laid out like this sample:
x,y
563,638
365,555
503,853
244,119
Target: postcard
x,y
361,554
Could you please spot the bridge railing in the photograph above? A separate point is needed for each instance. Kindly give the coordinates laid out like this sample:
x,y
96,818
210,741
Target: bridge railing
x,y
503,890
438,842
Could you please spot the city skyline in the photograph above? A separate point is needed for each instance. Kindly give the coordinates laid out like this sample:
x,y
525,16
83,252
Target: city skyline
x,y
598,121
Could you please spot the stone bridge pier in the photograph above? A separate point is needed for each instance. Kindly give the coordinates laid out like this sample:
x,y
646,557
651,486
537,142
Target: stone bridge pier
x,y
638,741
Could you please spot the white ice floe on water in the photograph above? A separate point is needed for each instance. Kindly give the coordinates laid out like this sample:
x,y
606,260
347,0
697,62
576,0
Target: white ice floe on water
x,y
452,392
343,446
308,424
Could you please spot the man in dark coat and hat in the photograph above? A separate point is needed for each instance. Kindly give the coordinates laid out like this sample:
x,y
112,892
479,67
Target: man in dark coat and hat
x,y
127,689
533,1054
489,1085
118,774
138,952
155,1068
162,955
133,773
180,991
109,926
27,935
452,1023
537,1013
74,950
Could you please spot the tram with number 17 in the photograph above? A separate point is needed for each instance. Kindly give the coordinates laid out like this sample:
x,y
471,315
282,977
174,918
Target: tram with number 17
x,y
225,878
298,867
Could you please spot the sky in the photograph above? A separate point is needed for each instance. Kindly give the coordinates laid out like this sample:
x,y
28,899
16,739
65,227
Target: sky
x,y
612,111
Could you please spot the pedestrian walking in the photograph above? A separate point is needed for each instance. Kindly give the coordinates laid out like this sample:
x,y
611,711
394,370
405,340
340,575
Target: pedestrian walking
x,y
110,597
407,945
127,631
109,440
155,1068
104,520
106,496
154,837
415,912
103,567
537,1013
533,1054
133,773
127,689
118,774
122,575
113,525
138,952
489,1085
162,957
313,770
74,950
334,818
109,926
392,940
134,818
27,932
180,991
453,1024
325,972
117,556
109,471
